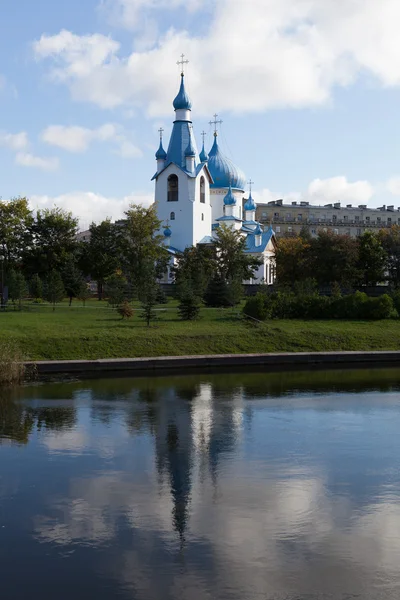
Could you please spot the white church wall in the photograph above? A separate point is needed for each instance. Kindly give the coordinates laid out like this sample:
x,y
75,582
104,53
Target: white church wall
x,y
217,202
202,215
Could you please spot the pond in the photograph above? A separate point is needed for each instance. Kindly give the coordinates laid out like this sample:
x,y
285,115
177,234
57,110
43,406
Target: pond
x,y
278,486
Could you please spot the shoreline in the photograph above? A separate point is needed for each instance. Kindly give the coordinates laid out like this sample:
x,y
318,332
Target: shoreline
x,y
165,365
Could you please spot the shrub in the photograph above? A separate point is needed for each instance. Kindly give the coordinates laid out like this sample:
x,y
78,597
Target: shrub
x,y
256,307
161,296
125,310
396,301
11,365
378,308
217,293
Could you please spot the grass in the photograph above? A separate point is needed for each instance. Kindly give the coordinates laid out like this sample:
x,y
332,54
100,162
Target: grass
x,y
97,332
11,367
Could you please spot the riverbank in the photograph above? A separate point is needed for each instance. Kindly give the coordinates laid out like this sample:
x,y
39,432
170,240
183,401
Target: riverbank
x,y
99,333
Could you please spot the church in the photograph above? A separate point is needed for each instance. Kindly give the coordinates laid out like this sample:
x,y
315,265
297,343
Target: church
x,y
195,193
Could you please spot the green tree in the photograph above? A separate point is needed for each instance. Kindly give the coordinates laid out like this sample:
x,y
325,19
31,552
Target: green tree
x,y
390,239
36,287
233,261
54,291
292,260
372,258
334,258
116,287
72,279
17,288
143,246
189,301
15,236
196,266
148,293
53,234
217,293
84,293
101,256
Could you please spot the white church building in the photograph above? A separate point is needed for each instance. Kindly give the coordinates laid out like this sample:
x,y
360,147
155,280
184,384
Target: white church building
x,y
197,192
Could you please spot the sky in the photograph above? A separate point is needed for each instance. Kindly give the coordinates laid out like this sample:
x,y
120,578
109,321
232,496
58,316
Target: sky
x,y
308,92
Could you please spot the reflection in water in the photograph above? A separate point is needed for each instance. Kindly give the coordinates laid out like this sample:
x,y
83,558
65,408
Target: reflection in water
x,y
280,486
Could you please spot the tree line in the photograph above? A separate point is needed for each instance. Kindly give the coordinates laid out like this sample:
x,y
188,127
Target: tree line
x,y
43,257
370,259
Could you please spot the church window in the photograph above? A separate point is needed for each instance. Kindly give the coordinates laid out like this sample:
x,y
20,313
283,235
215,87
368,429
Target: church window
x,y
202,216
173,188
172,216
202,190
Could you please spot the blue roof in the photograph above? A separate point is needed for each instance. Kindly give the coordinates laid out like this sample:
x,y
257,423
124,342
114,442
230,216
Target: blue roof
x,y
258,230
250,204
207,239
181,138
203,155
173,250
229,219
167,232
182,101
250,223
266,236
230,199
214,226
224,171
161,152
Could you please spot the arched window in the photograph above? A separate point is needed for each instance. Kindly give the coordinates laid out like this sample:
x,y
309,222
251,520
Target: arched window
x,y
202,216
172,216
202,190
173,188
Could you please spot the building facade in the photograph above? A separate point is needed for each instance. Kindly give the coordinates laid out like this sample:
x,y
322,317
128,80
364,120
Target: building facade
x,y
288,219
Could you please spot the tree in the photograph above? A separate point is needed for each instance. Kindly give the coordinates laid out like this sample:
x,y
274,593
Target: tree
x,y
101,256
196,266
17,287
143,246
233,262
36,287
53,233
15,222
54,291
390,239
189,301
148,293
84,293
116,289
217,293
292,260
72,279
334,258
372,258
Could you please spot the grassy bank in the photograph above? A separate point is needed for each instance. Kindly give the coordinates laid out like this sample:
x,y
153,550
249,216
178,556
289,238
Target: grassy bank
x,y
97,332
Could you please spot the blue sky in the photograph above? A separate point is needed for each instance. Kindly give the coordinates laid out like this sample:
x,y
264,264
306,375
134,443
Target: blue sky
x,y
308,91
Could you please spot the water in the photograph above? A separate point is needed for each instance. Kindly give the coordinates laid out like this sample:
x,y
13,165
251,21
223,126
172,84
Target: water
x,y
250,486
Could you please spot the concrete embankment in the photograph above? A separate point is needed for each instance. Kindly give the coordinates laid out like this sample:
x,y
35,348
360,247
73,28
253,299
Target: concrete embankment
x,y
221,362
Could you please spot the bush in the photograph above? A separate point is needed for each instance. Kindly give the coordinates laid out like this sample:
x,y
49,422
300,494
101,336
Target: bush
x,y
125,310
255,307
217,293
161,296
378,308
11,365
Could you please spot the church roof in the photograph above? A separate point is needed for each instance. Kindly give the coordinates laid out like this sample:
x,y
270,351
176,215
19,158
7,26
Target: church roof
x,y
161,154
190,150
266,236
207,239
250,204
224,172
182,100
203,155
230,199
226,218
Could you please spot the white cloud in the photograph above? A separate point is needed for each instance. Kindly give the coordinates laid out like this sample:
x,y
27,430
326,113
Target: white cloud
x,y
325,191
89,206
14,141
393,186
26,159
78,139
285,53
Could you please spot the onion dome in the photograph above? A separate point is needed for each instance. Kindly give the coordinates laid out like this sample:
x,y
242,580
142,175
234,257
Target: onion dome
x,y
167,232
230,199
161,154
182,101
250,204
223,171
190,150
258,230
203,155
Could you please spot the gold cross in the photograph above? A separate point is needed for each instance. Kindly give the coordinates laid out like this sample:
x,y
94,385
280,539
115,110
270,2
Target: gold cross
x,y
216,122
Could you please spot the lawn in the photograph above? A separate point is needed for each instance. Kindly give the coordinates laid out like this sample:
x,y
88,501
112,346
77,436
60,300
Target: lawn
x,y
98,332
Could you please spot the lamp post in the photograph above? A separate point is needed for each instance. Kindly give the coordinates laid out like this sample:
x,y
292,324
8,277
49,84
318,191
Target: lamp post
x,y
2,281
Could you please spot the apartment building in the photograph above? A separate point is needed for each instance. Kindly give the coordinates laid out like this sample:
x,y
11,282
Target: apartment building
x,y
288,219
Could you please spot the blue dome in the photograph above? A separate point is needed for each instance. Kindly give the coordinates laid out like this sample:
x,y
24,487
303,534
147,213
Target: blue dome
x,y
167,232
161,154
182,101
229,199
258,230
250,204
203,155
223,171
190,150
